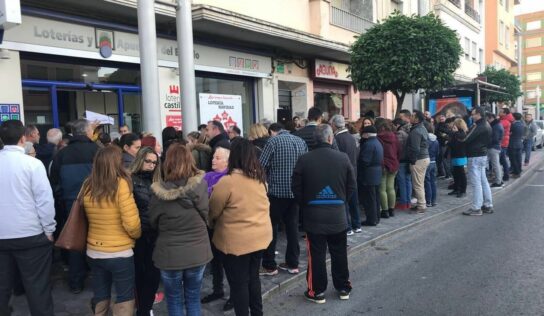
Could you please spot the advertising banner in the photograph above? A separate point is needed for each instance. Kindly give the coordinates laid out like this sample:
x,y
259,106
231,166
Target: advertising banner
x,y
450,107
170,98
224,108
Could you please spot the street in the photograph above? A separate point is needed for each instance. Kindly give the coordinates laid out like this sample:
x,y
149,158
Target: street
x,y
488,265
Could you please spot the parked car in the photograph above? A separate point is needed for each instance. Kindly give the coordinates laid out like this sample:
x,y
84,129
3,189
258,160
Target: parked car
x,y
538,140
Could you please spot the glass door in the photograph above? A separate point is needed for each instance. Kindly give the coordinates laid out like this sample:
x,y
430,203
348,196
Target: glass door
x,y
38,110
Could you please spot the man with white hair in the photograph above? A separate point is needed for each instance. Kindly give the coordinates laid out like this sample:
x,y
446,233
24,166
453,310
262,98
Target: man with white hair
x,y
347,144
46,152
71,166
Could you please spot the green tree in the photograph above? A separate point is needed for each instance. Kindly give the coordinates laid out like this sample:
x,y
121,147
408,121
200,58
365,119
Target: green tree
x,y
504,79
403,54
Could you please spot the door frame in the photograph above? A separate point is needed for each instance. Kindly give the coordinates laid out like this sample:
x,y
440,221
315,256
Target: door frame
x,y
52,86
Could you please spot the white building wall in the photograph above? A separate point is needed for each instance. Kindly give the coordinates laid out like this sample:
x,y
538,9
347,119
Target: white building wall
x,y
11,91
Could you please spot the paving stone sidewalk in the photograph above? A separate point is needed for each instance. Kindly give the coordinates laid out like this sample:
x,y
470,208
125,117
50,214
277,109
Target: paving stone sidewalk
x,y
70,304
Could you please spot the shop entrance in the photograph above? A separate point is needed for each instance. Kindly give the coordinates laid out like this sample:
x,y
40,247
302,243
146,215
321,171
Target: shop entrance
x,y
50,104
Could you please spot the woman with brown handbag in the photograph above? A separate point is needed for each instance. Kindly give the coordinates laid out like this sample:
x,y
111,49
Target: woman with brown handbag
x,y
114,225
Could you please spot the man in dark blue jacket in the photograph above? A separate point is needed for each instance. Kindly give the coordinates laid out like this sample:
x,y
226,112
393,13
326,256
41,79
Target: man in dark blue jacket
x,y
70,168
321,194
515,147
494,148
369,175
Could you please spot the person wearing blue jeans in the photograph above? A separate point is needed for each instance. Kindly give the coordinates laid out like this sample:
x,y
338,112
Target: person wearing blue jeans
x,y
353,214
404,182
476,143
527,148
182,290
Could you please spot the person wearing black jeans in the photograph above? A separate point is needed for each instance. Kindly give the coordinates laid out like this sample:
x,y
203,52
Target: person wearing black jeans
x,y
286,211
321,193
145,169
515,146
458,158
244,286
369,175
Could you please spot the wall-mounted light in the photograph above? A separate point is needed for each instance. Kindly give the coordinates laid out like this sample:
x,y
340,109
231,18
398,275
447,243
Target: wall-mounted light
x,y
4,54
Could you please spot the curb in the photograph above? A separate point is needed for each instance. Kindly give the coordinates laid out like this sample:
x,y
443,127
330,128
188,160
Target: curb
x,y
372,242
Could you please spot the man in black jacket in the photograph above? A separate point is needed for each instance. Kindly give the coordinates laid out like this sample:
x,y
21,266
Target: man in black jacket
x,y
347,144
442,133
218,138
417,148
515,147
321,194
315,116
476,142
494,148
71,166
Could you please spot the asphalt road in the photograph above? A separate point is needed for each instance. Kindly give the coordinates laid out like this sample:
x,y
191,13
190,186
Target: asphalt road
x,y
463,265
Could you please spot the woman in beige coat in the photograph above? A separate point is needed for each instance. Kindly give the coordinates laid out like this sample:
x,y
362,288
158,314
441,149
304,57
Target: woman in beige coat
x,y
242,226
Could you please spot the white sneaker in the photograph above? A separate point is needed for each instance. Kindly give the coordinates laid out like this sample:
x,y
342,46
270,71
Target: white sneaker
x,y
350,232
358,230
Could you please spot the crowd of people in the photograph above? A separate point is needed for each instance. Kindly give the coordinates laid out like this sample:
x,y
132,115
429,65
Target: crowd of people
x,y
162,213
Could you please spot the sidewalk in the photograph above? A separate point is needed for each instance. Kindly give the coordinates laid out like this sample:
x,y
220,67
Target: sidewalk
x,y
70,304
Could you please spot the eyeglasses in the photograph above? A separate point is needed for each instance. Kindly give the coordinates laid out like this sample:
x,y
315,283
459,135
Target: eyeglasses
x,y
151,161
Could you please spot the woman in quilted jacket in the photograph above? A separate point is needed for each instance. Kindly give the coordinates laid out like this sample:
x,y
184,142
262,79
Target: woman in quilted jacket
x,y
114,226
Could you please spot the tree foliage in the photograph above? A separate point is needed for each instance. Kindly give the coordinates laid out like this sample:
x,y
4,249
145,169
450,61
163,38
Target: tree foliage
x,y
504,79
403,54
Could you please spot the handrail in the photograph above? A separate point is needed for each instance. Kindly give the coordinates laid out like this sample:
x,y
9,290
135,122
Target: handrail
x,y
348,20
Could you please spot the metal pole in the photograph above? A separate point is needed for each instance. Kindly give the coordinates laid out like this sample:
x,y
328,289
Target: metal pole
x,y
184,28
538,103
149,67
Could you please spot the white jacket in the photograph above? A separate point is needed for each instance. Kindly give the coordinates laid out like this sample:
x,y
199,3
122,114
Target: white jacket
x,y
27,207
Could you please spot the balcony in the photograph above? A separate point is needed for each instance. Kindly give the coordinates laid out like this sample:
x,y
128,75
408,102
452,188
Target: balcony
x,y
469,10
349,21
457,3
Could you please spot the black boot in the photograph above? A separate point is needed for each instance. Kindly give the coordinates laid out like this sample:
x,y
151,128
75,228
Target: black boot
x,y
384,214
391,212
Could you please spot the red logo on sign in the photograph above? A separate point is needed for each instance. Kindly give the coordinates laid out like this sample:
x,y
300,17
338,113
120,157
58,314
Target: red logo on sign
x,y
324,70
174,89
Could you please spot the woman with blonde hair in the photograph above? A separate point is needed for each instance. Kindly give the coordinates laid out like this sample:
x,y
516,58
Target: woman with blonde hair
x,y
114,225
201,151
258,135
179,213
458,157
145,170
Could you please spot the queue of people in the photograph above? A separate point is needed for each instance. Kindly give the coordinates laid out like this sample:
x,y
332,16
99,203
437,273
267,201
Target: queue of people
x,y
163,213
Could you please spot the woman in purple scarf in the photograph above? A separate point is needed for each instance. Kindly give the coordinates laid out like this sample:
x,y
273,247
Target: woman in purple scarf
x,y
220,163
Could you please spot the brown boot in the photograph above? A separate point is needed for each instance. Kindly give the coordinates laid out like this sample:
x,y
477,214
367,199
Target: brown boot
x,y
124,308
101,308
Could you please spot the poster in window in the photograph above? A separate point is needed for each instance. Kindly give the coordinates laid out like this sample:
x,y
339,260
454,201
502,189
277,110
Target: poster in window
x,y
224,108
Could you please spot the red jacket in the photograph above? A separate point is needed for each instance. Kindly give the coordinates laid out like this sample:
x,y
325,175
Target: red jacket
x,y
391,151
506,122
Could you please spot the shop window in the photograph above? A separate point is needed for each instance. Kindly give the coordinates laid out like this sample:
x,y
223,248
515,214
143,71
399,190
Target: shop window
x,y
329,103
367,105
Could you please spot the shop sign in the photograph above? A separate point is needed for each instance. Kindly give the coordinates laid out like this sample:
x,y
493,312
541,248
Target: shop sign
x,y
224,108
331,70
9,112
120,46
170,99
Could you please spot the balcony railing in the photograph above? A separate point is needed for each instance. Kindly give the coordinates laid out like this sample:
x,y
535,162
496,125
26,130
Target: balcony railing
x,y
469,10
350,21
456,2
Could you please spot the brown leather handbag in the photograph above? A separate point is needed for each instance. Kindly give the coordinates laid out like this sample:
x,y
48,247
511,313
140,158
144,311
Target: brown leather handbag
x,y
73,236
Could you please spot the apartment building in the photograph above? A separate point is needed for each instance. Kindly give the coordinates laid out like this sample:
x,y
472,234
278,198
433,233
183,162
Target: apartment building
x,y
499,36
467,18
532,61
